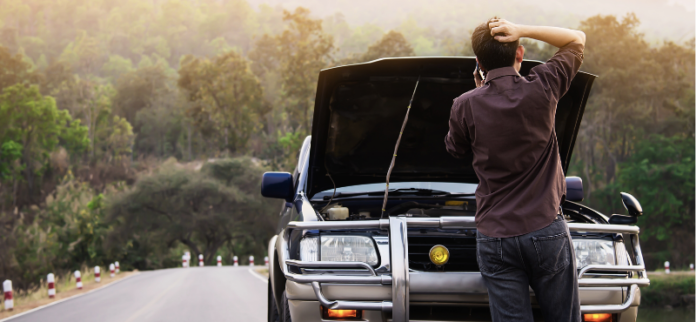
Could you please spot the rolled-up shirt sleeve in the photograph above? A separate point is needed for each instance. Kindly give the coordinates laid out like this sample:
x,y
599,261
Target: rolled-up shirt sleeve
x,y
558,72
457,140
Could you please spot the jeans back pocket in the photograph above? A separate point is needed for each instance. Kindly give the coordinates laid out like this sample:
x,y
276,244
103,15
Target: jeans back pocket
x,y
489,254
553,252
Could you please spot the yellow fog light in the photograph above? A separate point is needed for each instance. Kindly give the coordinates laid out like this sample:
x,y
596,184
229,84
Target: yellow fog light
x,y
439,255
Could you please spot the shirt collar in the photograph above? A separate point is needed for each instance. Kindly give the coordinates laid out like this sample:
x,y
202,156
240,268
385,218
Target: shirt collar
x,y
500,72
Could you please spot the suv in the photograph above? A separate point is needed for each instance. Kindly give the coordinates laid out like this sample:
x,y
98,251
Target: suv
x,y
340,255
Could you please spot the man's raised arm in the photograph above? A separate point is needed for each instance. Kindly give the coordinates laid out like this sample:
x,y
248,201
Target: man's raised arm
x,y
505,31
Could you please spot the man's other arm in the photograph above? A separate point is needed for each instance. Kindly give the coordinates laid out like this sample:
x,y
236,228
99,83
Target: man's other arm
x,y
457,140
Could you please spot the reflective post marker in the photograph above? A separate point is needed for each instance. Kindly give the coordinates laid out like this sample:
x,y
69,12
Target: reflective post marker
x,y
219,261
667,267
97,274
251,260
200,260
118,267
265,260
112,270
78,280
51,279
236,261
7,290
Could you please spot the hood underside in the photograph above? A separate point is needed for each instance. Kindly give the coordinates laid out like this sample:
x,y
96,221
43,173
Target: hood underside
x,y
360,108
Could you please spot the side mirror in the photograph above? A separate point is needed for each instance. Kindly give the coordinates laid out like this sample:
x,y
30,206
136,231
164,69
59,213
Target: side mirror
x,y
277,185
631,204
574,190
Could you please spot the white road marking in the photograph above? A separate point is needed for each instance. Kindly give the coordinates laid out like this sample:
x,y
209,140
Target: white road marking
x,y
65,299
258,275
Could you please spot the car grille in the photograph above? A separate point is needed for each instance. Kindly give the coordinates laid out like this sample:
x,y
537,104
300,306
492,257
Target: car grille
x,y
462,251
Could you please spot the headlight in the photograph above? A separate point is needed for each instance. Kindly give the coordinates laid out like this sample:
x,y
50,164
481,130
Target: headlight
x,y
593,252
338,249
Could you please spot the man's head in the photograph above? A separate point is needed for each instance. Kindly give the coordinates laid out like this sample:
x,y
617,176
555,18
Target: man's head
x,y
492,54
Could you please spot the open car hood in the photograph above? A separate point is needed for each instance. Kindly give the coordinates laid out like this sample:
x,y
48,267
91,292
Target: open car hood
x,y
359,110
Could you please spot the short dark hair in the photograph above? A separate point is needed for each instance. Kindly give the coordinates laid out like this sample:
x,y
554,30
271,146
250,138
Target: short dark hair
x,y
491,53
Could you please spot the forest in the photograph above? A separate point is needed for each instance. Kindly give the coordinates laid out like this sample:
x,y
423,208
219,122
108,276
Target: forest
x,y
136,130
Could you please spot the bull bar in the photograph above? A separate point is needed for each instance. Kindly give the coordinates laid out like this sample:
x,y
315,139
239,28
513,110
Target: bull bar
x,y
399,275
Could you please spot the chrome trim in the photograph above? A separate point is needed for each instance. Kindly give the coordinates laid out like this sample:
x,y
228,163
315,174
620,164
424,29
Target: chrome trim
x,y
353,224
613,282
384,306
340,279
325,264
612,308
601,228
610,268
398,241
454,222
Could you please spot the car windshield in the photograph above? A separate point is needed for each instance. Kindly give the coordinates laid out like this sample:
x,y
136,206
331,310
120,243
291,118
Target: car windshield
x,y
451,187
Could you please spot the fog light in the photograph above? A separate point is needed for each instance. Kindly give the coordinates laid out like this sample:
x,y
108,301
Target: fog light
x,y
439,255
340,314
598,317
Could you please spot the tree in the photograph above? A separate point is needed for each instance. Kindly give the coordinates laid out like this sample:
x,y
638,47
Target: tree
x,y
138,89
227,97
34,122
302,50
392,44
14,70
202,210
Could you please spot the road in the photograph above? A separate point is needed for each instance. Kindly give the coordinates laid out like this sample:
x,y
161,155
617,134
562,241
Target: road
x,y
190,294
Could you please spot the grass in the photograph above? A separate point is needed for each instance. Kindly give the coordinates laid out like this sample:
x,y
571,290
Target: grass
x,y
65,288
667,289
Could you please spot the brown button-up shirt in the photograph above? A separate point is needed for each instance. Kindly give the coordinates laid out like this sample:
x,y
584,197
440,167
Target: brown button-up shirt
x,y
508,124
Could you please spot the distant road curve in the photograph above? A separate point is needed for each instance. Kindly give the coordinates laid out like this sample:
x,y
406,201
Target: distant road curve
x,y
192,294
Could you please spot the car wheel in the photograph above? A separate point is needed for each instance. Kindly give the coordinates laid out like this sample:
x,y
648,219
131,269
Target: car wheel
x,y
273,315
286,309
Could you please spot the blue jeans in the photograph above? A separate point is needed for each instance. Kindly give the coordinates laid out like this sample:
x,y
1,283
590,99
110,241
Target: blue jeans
x,y
543,259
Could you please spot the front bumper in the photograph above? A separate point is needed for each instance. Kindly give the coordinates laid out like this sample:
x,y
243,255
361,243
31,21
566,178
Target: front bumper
x,y
395,290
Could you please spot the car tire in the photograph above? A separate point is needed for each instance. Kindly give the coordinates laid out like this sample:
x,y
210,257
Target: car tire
x,y
273,314
286,309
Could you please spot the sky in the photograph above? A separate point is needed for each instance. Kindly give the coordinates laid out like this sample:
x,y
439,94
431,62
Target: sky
x,y
661,19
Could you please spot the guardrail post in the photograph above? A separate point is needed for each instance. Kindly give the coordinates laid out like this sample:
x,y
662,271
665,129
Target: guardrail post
x,y
398,243
97,274
78,280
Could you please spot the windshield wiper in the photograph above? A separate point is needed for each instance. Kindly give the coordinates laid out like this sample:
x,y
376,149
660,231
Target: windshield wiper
x,y
397,192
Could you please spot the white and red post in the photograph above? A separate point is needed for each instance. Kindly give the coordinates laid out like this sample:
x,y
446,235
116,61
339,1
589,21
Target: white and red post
x,y
251,260
265,260
78,280
118,267
7,290
200,260
51,279
691,267
183,261
97,274
112,270
236,261
667,267
219,260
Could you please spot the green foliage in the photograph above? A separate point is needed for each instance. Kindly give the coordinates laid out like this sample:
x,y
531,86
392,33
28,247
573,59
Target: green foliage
x,y
667,289
637,134
10,152
226,96
34,122
203,210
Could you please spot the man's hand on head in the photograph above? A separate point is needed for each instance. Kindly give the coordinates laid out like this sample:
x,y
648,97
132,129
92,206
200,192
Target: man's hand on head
x,y
504,31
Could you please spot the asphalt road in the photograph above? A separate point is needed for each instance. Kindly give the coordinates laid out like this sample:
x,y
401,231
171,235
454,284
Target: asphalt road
x,y
191,294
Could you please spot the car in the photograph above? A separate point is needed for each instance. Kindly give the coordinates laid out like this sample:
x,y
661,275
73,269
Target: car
x,y
340,255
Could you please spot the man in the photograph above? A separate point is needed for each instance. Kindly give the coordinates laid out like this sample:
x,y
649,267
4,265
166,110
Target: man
x,y
508,124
